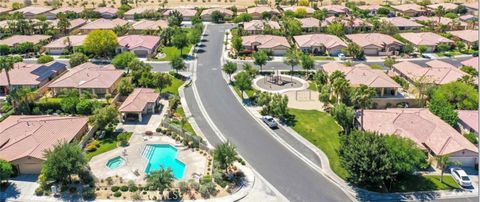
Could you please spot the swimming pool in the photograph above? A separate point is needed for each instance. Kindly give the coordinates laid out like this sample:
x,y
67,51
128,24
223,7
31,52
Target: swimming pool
x,y
163,155
116,162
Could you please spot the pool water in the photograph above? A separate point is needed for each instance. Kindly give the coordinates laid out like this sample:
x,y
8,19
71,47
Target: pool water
x,y
163,155
115,162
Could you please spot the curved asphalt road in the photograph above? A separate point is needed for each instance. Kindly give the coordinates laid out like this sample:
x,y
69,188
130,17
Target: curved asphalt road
x,y
280,167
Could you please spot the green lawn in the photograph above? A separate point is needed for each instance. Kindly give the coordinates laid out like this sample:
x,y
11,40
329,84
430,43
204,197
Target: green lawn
x,y
424,183
171,51
107,143
249,93
321,130
312,86
173,88
187,127
323,58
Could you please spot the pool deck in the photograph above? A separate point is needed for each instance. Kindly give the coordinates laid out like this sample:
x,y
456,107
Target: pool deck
x,y
195,163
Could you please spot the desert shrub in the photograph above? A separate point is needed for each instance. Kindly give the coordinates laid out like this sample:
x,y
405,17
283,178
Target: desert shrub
x,y
117,194
115,188
124,188
88,194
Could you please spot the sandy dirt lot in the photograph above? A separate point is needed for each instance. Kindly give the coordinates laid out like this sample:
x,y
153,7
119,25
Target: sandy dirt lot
x,y
190,3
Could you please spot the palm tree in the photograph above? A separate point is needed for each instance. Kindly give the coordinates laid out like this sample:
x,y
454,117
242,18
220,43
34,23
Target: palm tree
x,y
6,64
160,179
440,12
340,88
443,162
225,154
362,97
182,122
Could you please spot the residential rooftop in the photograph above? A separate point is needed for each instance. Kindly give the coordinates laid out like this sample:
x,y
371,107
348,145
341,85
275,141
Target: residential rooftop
x,y
30,136
318,40
436,71
63,42
104,24
138,99
88,75
138,41
16,39
24,74
425,38
470,36
419,125
362,74
375,39
266,41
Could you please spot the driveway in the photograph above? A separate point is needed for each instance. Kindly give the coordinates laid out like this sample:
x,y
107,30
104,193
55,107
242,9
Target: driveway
x,y
22,188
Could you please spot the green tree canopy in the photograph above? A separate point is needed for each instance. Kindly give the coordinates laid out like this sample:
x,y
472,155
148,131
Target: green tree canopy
x,y
225,155
6,170
243,81
260,58
178,64
63,161
104,116
366,158
77,59
44,59
125,87
344,116
460,95
230,68
101,43
122,60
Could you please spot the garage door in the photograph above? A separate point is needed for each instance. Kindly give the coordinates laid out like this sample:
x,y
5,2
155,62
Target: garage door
x,y
464,161
141,53
370,51
30,168
279,52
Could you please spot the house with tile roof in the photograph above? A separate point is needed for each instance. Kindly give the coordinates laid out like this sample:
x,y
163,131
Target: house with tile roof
x,y
472,8
319,44
362,74
146,26
335,10
472,62
88,77
376,43
468,121
411,10
310,24
428,39
428,131
350,23
62,45
24,139
74,24
446,6
309,10
207,14
32,12
140,102
107,12
403,23
275,45
371,8
17,39
449,23
102,24
187,13
4,10
53,13
469,37
130,14
257,26
140,45
435,72
30,75
256,12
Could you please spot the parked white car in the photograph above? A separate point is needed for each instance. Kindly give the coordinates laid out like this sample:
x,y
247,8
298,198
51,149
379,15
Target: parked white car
x,y
341,56
461,177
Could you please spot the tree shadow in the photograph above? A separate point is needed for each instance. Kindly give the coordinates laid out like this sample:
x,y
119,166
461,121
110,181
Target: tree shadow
x,y
8,191
200,51
204,40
